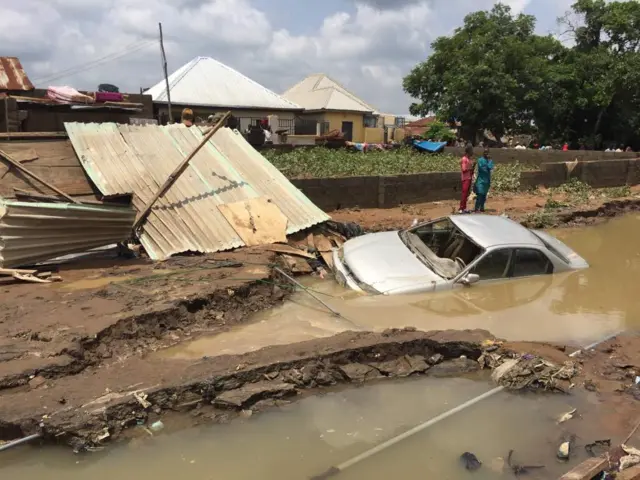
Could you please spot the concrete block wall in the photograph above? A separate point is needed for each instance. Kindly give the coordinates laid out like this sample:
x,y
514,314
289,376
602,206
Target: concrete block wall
x,y
538,157
391,191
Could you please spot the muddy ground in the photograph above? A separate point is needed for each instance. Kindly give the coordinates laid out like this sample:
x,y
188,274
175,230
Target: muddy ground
x,y
75,364
520,207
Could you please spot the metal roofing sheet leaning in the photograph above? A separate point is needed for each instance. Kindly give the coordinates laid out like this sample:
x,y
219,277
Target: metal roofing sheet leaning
x,y
13,76
138,159
33,232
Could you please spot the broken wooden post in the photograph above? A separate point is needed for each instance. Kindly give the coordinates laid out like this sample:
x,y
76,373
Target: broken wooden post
x,y
587,469
28,172
178,171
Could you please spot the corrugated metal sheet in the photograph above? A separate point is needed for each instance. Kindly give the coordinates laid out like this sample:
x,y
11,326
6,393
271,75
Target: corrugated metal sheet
x,y
138,159
33,232
13,76
206,82
319,92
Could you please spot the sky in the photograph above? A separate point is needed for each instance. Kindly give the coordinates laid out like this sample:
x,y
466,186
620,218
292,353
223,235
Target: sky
x,y
367,45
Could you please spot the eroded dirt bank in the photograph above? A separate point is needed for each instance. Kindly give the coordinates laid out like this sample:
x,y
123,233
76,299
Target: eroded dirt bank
x,y
528,208
97,406
75,364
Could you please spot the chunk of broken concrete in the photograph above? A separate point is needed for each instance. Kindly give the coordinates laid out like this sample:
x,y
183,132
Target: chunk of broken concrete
x,y
250,393
453,367
403,366
357,372
36,382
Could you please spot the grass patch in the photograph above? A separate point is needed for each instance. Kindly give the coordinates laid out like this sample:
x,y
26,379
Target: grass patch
x,y
327,163
540,219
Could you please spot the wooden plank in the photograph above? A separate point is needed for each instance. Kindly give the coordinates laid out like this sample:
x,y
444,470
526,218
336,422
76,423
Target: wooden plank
x,y
26,171
323,244
26,155
257,221
587,469
310,243
57,153
33,135
297,265
71,180
12,271
288,250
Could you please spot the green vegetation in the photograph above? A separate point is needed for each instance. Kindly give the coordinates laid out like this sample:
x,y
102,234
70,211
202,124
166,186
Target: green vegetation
x,y
495,73
439,132
324,162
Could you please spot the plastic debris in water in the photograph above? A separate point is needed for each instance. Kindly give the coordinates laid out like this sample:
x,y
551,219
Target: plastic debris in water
x,y
470,461
156,426
567,416
563,451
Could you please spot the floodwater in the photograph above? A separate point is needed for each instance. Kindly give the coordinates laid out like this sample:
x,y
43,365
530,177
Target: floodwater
x,y
309,436
577,308
306,438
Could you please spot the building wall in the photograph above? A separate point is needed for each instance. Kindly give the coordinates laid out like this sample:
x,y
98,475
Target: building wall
x,y
204,112
374,135
33,117
335,120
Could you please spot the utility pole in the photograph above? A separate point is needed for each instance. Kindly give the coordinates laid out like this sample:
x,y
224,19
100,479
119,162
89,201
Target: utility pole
x,y
166,75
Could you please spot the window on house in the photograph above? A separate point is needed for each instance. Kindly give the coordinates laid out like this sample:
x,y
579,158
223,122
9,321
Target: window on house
x,y
370,121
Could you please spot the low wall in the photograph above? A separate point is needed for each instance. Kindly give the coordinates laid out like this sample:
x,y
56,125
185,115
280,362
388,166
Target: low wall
x,y
538,157
391,191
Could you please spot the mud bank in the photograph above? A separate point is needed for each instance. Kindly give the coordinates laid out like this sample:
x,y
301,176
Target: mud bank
x,y
97,405
526,208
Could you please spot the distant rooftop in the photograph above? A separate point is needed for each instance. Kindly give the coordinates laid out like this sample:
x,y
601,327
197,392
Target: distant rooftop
x,y
320,92
209,83
13,76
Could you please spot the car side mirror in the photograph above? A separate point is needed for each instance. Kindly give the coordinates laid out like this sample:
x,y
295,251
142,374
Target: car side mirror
x,y
470,279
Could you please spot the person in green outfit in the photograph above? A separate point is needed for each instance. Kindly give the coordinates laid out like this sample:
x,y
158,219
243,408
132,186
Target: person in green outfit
x,y
483,180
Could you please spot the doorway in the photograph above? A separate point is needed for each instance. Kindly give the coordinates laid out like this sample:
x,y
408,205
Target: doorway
x,y
347,131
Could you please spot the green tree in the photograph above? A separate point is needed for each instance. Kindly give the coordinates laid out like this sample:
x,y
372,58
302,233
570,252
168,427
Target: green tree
x,y
483,74
439,132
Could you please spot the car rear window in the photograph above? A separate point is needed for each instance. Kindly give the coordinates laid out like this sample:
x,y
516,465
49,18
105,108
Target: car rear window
x,y
562,256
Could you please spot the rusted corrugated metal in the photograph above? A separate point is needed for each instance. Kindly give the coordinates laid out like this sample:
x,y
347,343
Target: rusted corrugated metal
x,y
32,232
13,76
138,159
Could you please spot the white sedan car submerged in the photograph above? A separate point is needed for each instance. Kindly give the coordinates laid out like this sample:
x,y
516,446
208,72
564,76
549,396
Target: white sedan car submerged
x,y
450,252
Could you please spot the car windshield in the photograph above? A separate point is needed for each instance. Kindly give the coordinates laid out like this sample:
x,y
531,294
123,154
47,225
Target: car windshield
x,y
442,246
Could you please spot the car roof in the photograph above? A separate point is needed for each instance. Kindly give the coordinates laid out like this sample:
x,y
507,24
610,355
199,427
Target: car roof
x,y
494,230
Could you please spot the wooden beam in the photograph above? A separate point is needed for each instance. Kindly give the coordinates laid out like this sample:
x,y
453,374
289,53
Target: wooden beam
x,y
28,172
18,135
178,171
587,469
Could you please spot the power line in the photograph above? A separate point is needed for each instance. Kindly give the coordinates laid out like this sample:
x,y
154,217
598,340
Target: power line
x,y
98,62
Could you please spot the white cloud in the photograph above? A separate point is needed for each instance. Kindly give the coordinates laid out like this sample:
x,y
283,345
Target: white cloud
x,y
369,45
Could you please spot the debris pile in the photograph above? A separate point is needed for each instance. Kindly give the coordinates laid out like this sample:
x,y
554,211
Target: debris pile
x,y
529,372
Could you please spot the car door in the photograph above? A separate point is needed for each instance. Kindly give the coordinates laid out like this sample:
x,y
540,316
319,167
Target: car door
x,y
529,262
491,266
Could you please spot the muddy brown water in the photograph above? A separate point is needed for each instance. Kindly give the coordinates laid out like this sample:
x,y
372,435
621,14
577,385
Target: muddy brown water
x,y
307,437
577,308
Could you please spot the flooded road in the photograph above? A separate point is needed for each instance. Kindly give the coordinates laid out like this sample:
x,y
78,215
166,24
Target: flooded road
x,y
309,436
576,308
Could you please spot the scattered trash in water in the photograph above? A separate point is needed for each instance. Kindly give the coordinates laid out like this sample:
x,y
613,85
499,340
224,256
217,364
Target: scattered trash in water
x,y
156,426
598,444
520,469
563,451
470,461
567,416
631,458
